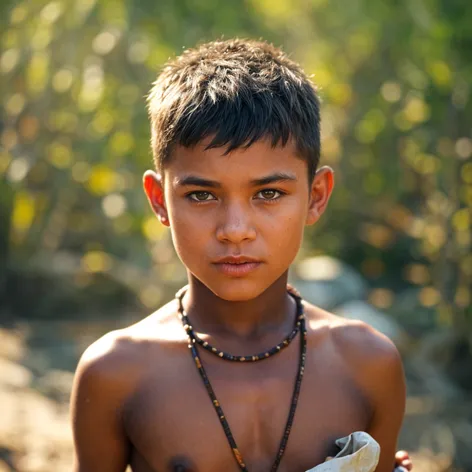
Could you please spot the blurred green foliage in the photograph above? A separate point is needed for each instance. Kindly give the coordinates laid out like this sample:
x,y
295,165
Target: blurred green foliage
x,y
395,80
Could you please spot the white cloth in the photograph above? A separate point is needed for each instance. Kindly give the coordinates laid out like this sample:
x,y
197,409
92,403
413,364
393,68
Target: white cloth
x,y
359,452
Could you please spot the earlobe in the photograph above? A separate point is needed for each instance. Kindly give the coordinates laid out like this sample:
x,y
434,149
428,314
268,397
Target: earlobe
x,y
321,189
154,191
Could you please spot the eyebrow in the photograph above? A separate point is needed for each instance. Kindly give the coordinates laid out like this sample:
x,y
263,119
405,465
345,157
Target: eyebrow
x,y
277,177
193,180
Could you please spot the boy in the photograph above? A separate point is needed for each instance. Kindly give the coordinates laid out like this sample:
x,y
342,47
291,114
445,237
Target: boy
x,y
236,373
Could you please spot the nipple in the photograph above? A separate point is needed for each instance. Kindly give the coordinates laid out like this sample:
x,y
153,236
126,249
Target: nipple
x,y
181,464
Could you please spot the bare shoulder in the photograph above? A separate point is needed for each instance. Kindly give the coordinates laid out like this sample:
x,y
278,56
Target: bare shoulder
x,y
108,356
108,374
370,360
119,355
359,344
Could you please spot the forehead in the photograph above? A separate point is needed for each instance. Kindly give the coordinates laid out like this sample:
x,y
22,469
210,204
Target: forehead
x,y
260,159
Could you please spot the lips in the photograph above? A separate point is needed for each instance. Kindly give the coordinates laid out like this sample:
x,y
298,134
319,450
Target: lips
x,y
237,266
236,260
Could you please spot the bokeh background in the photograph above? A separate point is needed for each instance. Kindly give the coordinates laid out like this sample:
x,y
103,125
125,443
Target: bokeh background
x,y
81,253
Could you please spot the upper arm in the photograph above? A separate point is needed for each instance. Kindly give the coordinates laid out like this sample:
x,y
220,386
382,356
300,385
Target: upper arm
x,y
377,367
98,395
387,394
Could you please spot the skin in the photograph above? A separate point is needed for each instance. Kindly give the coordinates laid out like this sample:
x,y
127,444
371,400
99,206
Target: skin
x,y
137,397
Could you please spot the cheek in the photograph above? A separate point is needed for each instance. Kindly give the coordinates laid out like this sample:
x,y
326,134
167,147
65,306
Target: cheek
x,y
290,222
285,235
289,239
181,216
189,235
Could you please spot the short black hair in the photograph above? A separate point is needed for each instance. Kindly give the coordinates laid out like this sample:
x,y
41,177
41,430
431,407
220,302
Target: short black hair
x,y
234,93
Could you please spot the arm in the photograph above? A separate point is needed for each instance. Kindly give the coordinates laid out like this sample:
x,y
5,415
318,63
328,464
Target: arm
x,y
376,365
387,388
97,399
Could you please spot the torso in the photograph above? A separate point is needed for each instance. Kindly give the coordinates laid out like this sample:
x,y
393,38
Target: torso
x,y
172,425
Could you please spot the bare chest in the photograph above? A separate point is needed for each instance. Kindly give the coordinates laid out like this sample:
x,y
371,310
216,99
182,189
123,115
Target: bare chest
x,y
172,424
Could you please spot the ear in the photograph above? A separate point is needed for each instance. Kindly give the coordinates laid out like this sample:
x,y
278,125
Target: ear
x,y
320,191
154,189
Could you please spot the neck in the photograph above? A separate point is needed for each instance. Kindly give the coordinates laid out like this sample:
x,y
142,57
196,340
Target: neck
x,y
271,311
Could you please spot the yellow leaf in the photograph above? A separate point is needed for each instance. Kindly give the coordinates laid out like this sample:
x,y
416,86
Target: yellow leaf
x,y
37,72
331,149
102,180
416,111
121,143
41,38
429,296
103,122
322,76
461,219
340,94
62,80
417,274
466,173
23,211
440,73
96,261
9,60
14,105
370,126
377,235
277,11
51,12
59,155
435,236
18,14
427,164
391,91
153,229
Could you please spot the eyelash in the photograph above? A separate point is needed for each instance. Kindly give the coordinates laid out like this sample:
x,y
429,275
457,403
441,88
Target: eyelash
x,y
267,200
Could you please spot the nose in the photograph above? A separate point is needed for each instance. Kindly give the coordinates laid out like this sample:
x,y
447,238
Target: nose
x,y
236,224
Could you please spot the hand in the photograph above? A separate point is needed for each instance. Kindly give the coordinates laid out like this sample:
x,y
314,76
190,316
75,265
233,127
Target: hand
x,y
402,459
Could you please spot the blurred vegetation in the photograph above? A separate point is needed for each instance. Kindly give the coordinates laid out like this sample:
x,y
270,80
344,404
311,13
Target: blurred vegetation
x,y
76,234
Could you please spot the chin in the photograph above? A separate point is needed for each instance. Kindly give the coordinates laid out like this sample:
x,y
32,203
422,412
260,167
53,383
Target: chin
x,y
237,290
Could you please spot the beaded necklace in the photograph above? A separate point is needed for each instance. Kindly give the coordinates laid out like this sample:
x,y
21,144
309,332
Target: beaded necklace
x,y
193,340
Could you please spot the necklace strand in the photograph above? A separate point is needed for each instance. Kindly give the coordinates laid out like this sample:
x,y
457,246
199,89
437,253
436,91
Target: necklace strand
x,y
216,404
229,357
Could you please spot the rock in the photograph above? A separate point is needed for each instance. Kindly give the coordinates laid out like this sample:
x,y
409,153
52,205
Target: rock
x,y
14,375
360,310
11,344
56,384
327,282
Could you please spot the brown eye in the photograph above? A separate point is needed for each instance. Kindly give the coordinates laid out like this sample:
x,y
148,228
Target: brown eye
x,y
269,194
200,196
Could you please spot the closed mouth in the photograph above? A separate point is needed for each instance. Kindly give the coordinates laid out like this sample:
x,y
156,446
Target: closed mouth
x,y
237,266
237,260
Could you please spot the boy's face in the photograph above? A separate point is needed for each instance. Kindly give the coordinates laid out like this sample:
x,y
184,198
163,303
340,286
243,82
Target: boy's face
x,y
237,221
